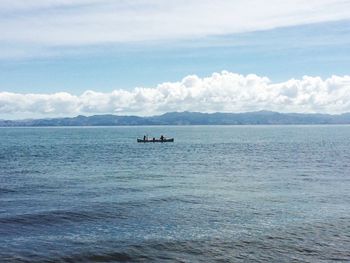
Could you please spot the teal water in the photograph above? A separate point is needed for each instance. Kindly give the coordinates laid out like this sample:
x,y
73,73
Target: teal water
x,y
217,194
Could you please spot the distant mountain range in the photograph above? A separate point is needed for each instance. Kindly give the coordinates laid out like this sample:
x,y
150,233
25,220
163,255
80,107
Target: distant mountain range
x,y
186,118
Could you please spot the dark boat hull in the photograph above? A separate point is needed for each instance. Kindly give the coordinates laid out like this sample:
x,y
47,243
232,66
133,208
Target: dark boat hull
x,y
156,140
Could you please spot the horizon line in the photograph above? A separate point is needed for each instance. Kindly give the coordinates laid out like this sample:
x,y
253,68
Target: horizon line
x,y
174,112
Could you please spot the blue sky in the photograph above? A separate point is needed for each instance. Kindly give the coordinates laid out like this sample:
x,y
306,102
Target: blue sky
x,y
321,49
56,46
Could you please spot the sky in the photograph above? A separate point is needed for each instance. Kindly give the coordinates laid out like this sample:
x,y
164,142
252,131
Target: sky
x,y
144,57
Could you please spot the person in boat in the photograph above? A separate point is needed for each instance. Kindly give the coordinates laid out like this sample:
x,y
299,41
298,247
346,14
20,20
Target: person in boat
x,y
162,138
154,138
144,137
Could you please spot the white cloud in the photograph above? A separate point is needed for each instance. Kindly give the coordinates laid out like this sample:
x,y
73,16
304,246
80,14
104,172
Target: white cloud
x,y
221,92
93,22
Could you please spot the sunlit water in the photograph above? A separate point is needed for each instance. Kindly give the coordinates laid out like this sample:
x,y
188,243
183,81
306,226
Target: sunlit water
x,y
218,193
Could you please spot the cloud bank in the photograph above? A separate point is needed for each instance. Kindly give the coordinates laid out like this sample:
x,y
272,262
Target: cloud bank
x,y
38,24
221,92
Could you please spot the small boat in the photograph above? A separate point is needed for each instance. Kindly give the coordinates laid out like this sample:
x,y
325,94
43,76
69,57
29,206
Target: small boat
x,y
156,140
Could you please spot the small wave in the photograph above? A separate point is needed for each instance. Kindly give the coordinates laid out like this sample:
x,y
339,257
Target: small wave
x,y
296,244
98,257
57,217
7,191
185,199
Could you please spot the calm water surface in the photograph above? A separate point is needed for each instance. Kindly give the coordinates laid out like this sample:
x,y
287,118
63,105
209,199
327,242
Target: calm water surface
x,y
217,194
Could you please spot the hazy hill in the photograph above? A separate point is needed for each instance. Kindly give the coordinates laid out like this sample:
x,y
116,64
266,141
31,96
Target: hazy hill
x,y
187,118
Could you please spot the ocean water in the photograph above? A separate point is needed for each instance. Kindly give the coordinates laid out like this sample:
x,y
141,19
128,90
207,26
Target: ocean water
x,y
217,194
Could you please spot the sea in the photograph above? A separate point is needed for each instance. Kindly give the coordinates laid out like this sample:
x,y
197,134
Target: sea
x,y
216,194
